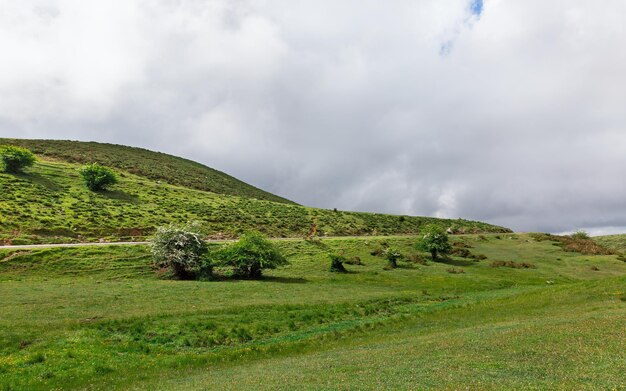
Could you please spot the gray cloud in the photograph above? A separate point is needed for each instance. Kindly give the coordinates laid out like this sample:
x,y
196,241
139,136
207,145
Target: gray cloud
x,y
346,104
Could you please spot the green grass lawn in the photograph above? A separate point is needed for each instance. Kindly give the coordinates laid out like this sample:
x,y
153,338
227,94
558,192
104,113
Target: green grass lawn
x,y
49,203
99,318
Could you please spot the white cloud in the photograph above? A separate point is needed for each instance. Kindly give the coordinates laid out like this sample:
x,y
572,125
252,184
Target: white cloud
x,y
344,104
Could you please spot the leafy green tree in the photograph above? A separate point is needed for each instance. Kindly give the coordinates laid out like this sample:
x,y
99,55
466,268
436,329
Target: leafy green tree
x,y
181,250
97,177
250,255
393,256
15,159
434,240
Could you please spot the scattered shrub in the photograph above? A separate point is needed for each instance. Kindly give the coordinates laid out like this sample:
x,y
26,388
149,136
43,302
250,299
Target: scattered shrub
x,y
569,243
15,159
180,250
595,268
479,257
434,240
580,234
455,271
392,256
461,245
250,255
336,263
514,265
621,257
97,177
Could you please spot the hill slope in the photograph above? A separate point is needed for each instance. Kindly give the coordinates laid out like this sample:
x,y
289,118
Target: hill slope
x,y
614,242
49,203
153,165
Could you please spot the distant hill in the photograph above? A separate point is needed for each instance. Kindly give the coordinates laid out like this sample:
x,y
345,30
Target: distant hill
x,y
154,165
49,203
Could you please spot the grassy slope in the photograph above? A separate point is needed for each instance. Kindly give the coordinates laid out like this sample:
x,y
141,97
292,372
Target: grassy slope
x,y
49,203
614,242
148,164
97,317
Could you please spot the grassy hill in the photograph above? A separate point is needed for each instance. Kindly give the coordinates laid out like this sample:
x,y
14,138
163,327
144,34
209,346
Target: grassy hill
x,y
614,242
99,318
49,203
148,164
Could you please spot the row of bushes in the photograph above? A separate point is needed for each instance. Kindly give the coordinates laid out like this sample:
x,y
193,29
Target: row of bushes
x,y
182,252
96,177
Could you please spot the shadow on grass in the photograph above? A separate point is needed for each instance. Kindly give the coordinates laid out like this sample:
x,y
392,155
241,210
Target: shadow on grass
x,y
119,195
281,280
454,262
40,180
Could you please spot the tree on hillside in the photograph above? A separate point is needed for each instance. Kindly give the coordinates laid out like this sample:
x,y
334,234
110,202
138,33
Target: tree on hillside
x,y
181,250
250,255
97,177
434,240
15,159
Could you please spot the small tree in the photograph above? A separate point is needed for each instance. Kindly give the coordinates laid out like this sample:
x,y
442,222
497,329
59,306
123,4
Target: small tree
x,y
97,177
181,249
434,240
15,159
393,256
250,255
336,263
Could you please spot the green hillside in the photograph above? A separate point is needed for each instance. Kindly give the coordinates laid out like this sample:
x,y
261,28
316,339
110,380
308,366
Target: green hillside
x,y
100,318
49,203
148,164
614,242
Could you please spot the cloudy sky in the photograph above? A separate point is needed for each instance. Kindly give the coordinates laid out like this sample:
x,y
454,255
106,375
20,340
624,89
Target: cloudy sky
x,y
508,111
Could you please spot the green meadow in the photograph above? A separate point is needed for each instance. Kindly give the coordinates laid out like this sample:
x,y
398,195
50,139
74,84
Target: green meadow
x,y
517,312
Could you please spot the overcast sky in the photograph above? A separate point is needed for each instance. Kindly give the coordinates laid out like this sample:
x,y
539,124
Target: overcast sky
x,y
507,111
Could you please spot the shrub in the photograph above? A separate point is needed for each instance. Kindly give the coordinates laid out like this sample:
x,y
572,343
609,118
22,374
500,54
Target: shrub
x,y
15,159
434,240
455,271
250,255
514,265
97,177
392,256
336,263
580,234
180,249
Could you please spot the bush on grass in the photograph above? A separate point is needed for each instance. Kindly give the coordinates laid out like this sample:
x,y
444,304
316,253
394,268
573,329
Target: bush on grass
x,y
181,250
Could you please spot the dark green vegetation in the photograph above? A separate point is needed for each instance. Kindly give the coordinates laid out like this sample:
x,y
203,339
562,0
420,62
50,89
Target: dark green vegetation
x,y
14,159
144,163
99,318
49,203
97,177
249,256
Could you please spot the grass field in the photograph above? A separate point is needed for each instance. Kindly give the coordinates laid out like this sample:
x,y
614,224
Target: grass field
x,y
49,203
99,318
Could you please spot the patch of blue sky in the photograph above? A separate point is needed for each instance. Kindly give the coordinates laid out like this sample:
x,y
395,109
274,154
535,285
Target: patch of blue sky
x,y
476,7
